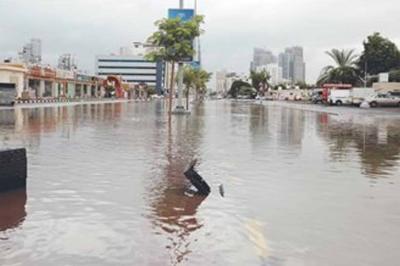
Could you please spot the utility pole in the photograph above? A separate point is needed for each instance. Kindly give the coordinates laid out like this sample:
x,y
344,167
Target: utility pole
x,y
179,106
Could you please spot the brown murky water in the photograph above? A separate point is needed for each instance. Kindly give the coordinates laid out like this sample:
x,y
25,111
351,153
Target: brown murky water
x,y
106,187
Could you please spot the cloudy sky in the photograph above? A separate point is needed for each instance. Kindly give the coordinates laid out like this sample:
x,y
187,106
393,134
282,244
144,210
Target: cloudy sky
x,y
233,27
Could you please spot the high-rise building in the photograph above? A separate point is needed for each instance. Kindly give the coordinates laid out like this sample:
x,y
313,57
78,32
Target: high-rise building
x,y
262,57
31,52
132,67
67,62
293,65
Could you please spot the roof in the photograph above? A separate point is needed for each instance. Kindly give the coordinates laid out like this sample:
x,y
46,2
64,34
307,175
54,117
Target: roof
x,y
13,67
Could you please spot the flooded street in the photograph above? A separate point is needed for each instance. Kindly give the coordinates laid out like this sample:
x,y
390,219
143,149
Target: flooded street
x,y
106,186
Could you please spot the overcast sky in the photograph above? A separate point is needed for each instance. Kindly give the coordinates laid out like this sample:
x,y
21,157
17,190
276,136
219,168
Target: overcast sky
x,y
233,27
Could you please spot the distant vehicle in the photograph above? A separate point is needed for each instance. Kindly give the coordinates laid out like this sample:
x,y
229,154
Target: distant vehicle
x,y
384,100
7,94
326,89
358,95
316,96
339,97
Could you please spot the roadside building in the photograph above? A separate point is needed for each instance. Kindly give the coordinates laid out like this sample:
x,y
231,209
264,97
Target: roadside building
x,y
31,52
132,67
67,62
13,74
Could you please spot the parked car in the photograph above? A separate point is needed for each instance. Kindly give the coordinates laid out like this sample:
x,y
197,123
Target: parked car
x,y
358,95
384,99
339,97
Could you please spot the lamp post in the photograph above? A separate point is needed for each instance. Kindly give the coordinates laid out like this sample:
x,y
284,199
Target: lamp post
x,y
179,109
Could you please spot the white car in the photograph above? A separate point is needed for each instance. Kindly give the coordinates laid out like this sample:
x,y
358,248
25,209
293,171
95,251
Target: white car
x,y
386,99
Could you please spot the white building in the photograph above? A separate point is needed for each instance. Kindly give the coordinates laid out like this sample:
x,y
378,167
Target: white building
x,y
275,72
31,52
67,62
13,74
132,67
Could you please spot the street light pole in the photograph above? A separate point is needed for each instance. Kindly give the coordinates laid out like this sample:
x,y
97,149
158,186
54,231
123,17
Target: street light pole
x,y
179,106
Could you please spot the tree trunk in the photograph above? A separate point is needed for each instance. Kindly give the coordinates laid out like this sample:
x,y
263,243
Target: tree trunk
x,y
171,90
187,98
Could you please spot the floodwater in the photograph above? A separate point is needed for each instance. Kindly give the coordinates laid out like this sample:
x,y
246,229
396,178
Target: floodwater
x,y
105,186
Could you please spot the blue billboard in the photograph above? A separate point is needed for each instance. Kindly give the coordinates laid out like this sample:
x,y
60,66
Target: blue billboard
x,y
183,14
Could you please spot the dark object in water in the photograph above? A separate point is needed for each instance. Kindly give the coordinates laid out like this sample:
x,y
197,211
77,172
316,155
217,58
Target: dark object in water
x,y
13,169
197,181
222,190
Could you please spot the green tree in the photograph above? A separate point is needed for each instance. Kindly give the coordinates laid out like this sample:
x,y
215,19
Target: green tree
x,y
379,55
238,86
259,80
394,76
345,68
188,81
173,43
202,77
197,79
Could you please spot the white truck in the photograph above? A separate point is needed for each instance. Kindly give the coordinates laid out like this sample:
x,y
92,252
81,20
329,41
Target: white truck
x,y
358,95
339,97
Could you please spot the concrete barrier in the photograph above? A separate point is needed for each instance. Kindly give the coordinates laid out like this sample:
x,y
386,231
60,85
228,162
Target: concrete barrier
x,y
13,169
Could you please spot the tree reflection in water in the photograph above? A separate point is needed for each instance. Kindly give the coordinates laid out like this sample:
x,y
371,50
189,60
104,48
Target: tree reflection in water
x,y
377,142
174,209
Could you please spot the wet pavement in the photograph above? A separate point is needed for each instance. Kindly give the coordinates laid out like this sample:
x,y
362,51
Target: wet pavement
x,y
106,186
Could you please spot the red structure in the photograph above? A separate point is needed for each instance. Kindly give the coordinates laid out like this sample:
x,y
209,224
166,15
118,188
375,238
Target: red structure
x,y
119,91
328,87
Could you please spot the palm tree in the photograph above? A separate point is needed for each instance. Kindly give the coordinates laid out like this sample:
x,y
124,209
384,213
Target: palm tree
x,y
345,69
188,80
196,79
202,77
260,79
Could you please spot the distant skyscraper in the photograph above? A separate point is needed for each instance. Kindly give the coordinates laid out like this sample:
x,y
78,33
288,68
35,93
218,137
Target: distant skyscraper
x,y
32,52
293,65
67,62
262,57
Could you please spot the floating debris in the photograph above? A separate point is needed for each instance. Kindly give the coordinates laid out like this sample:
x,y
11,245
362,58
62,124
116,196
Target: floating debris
x,y
197,181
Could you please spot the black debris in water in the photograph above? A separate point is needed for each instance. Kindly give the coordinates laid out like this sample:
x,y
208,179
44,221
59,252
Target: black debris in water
x,y
222,190
13,169
197,181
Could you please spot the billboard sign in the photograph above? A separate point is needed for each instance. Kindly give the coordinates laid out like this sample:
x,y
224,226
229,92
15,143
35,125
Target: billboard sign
x,y
184,14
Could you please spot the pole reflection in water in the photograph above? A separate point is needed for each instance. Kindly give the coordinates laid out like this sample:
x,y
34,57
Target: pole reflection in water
x,y
174,209
12,209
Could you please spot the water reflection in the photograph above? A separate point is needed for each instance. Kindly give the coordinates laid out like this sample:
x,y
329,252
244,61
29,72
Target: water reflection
x,y
26,126
376,141
12,209
174,208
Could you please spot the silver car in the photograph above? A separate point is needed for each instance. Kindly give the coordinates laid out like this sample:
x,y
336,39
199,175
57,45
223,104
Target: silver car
x,y
386,100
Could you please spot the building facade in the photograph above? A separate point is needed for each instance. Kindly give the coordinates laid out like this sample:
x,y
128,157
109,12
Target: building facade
x,y
292,63
262,57
31,52
67,62
131,66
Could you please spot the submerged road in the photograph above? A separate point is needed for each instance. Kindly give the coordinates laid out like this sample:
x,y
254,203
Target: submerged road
x,y
303,186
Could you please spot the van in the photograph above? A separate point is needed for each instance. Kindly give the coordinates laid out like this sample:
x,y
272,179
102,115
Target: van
x,y
339,97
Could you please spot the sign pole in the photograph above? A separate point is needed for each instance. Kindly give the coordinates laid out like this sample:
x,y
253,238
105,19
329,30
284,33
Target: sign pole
x,y
179,107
